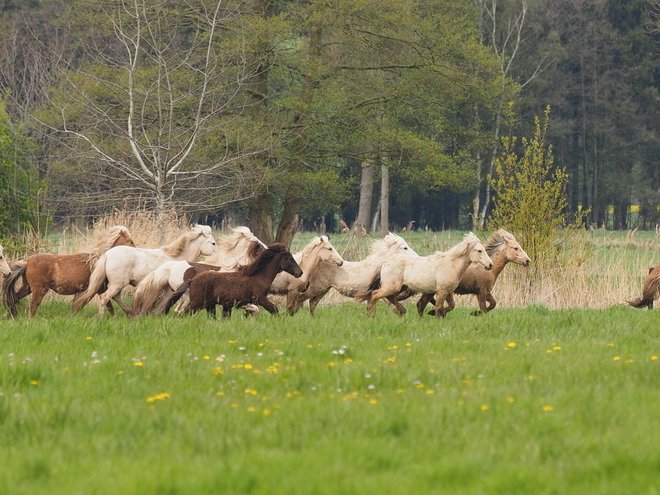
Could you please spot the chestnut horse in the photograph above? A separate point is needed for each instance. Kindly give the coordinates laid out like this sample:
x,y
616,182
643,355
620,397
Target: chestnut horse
x,y
502,248
248,285
437,274
650,291
66,274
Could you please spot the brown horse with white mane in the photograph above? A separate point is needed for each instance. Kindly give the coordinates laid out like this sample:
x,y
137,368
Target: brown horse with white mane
x,y
66,274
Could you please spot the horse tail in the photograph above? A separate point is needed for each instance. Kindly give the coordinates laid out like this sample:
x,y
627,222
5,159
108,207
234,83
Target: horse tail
x,y
96,283
147,293
172,300
650,292
10,297
364,295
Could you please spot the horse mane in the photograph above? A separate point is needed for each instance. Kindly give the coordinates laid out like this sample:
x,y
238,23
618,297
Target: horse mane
x,y
461,248
381,246
177,246
307,250
497,241
93,252
264,258
229,242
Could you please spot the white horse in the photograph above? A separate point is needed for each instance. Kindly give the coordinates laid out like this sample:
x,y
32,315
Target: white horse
x,y
4,266
239,248
317,252
503,248
122,266
351,277
437,274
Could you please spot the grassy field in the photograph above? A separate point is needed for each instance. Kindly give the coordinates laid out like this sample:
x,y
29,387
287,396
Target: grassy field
x,y
522,400
555,392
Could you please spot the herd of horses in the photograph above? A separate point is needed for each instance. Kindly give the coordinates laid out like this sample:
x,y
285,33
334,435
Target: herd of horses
x,y
240,271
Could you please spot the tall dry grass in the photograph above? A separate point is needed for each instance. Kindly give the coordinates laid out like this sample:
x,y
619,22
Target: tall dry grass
x,y
147,230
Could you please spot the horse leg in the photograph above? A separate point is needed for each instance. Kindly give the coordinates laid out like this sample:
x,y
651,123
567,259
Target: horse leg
x,y
439,304
117,298
112,292
38,293
226,311
267,305
424,299
491,302
210,309
396,306
314,301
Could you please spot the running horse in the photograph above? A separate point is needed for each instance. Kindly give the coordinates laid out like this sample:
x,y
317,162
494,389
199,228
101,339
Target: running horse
x,y
65,274
437,274
250,284
121,266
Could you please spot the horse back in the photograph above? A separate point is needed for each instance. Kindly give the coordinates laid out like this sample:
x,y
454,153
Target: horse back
x,y
66,274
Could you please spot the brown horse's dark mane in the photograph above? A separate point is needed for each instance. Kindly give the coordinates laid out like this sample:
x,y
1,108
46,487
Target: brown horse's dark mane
x,y
264,258
254,249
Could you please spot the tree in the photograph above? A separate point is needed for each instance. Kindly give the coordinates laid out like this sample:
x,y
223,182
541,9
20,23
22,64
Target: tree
x,y
530,192
154,114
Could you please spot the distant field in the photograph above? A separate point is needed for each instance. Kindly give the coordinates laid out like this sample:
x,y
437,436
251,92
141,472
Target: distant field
x,y
525,400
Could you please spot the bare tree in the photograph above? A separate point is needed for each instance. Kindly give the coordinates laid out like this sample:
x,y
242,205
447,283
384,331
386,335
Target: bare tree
x,y
505,36
157,116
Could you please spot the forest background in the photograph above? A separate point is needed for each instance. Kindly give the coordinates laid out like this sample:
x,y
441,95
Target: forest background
x,y
289,114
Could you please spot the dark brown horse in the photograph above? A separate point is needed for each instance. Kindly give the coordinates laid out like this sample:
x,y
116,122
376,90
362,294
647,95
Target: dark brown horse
x,y
66,274
248,285
650,291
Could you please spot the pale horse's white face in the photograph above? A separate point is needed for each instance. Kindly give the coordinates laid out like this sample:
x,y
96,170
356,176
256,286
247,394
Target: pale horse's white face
x,y
479,255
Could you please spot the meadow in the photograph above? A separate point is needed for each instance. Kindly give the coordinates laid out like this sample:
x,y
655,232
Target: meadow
x,y
557,391
522,400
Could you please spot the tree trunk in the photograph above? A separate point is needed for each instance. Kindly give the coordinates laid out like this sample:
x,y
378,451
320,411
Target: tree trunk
x,y
293,199
366,196
384,200
260,219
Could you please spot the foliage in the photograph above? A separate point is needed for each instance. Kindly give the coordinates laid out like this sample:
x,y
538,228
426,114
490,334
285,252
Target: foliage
x,y
18,207
531,196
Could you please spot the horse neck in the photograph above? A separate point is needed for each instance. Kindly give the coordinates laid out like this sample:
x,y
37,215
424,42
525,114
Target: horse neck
x,y
192,251
270,270
499,262
309,264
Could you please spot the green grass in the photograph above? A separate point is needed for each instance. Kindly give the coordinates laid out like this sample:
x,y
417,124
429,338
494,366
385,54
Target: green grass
x,y
521,400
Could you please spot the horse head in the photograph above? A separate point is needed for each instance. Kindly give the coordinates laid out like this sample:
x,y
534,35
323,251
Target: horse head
x,y
326,251
287,263
4,266
477,252
124,238
207,244
513,250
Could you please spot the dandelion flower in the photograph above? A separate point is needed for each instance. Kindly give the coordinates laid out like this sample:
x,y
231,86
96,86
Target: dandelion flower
x,y
485,407
548,408
34,382
654,358
510,399
511,344
617,358
138,363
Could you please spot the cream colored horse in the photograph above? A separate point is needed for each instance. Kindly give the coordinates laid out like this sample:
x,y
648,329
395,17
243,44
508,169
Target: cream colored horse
x,y
351,277
122,266
317,252
437,274
239,248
